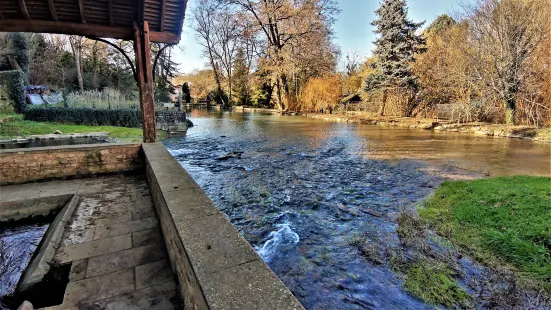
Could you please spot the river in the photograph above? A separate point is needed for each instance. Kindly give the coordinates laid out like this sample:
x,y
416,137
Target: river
x,y
302,190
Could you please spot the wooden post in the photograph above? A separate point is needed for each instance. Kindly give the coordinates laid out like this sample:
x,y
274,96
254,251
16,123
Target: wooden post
x,y
145,80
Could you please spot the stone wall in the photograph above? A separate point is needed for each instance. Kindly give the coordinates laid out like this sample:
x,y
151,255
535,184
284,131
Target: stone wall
x,y
215,266
72,161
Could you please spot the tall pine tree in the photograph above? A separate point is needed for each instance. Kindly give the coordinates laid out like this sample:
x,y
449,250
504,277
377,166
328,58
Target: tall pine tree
x,y
395,50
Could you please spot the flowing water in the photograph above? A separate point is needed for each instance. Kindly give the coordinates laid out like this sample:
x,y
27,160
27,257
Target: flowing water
x,y
301,191
17,245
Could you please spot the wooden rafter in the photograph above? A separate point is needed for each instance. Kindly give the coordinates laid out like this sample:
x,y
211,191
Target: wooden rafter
x,y
81,9
24,10
162,21
110,11
52,10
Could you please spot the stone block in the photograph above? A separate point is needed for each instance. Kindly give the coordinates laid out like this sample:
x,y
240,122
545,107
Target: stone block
x,y
94,248
145,237
98,288
143,213
248,286
125,259
78,270
157,297
153,273
126,228
189,204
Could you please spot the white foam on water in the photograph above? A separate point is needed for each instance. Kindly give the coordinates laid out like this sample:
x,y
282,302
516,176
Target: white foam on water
x,y
178,152
283,238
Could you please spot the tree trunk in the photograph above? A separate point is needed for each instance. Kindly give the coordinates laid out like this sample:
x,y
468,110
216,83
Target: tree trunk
x,y
216,76
76,47
510,108
79,73
283,92
279,96
382,105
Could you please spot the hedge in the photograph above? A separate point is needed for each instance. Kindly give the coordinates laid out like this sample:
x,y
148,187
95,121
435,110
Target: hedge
x,y
86,116
14,81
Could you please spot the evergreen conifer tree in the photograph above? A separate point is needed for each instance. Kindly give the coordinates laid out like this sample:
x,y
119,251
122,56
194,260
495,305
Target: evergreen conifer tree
x,y
395,50
241,87
186,92
20,50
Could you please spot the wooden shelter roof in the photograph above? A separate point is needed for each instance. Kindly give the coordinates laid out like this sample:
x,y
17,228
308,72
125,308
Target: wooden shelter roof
x,y
96,18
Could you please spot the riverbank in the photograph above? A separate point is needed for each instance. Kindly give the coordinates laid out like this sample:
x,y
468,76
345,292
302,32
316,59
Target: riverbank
x,y
502,223
13,126
477,128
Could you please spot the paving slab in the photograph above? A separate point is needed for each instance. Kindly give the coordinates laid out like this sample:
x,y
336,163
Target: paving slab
x,y
142,213
145,237
125,259
94,248
78,270
112,217
153,273
157,297
112,230
98,288
78,236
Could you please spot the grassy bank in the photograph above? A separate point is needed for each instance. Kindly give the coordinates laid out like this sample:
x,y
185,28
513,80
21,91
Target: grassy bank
x,y
12,125
502,221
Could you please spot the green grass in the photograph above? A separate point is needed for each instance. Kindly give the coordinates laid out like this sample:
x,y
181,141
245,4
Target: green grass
x,y
434,283
498,221
12,125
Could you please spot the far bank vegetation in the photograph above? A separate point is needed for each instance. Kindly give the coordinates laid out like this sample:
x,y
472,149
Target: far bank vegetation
x,y
489,63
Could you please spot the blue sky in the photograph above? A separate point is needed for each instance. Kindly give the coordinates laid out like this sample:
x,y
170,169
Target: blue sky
x,y
353,30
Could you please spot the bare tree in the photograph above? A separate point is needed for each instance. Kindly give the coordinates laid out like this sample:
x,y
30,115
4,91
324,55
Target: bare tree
x,y
282,23
503,35
204,16
76,43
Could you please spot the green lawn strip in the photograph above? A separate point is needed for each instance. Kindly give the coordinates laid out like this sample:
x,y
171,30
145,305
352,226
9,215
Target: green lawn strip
x,y
498,221
21,128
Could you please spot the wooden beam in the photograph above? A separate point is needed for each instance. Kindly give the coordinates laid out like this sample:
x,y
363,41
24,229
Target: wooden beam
x,y
24,9
52,9
145,80
162,21
1,16
89,30
43,26
110,10
164,37
81,9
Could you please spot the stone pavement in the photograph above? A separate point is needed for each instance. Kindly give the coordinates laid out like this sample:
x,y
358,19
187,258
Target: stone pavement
x,y
113,243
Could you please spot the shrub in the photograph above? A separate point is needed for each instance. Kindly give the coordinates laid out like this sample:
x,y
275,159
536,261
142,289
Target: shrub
x,y
86,116
14,81
321,93
108,98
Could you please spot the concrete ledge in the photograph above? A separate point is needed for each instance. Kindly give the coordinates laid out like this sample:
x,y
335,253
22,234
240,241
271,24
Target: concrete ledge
x,y
215,266
70,161
11,211
40,264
